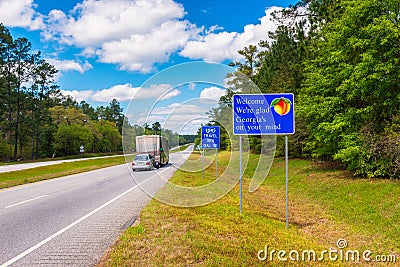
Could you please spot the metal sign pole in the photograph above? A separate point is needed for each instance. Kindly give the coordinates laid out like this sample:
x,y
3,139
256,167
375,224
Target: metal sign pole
x,y
241,175
216,163
287,180
202,163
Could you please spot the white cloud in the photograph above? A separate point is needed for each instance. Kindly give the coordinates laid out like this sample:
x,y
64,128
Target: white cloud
x,y
185,124
121,92
124,93
78,95
170,94
214,47
69,65
135,35
177,108
20,13
182,118
149,119
224,45
212,93
155,91
141,51
94,22
182,123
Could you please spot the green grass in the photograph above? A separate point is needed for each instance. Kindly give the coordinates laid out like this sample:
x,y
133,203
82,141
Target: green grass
x,y
370,207
14,178
325,205
85,155
181,148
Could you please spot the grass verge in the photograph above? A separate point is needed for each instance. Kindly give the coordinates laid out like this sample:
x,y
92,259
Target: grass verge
x,y
325,205
85,155
14,178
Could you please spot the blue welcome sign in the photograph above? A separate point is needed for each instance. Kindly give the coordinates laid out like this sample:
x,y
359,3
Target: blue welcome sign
x,y
263,114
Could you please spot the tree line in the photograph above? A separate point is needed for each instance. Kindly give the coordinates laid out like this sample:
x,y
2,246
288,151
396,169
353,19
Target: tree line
x,y
341,60
37,120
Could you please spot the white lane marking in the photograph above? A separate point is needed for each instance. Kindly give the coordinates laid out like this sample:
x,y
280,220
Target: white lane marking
x,y
38,245
25,201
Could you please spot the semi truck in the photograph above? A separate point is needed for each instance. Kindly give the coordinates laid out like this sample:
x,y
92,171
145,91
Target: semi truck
x,y
154,145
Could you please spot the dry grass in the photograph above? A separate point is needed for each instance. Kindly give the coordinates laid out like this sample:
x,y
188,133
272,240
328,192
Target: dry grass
x,y
218,235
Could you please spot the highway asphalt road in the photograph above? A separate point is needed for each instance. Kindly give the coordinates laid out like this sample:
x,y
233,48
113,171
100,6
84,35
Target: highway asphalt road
x,y
71,221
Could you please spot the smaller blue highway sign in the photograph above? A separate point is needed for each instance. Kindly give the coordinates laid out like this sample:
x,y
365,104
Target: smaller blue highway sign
x,y
210,137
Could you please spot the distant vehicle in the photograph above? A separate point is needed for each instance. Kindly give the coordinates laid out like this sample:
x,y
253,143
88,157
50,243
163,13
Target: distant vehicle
x,y
143,162
155,145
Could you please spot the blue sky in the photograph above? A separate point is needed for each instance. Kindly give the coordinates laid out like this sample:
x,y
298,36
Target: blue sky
x,y
109,48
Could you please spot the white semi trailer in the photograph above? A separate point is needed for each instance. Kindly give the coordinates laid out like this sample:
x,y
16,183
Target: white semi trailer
x,y
155,145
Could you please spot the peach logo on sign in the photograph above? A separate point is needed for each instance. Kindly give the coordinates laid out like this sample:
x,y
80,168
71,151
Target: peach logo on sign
x,y
281,105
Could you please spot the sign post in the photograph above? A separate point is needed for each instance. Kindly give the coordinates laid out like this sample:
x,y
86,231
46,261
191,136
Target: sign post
x,y
241,174
216,163
210,138
287,180
202,163
81,150
202,160
264,114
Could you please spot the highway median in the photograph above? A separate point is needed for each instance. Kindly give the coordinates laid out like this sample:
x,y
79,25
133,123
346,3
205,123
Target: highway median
x,y
20,177
14,178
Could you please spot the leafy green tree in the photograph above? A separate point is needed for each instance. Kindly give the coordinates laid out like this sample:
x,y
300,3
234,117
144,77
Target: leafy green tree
x,y
69,138
129,136
88,110
156,128
68,115
45,87
112,112
115,114
34,114
47,135
147,129
7,80
281,71
66,101
351,92
110,140
282,61
5,90
4,150
173,138
23,65
251,61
